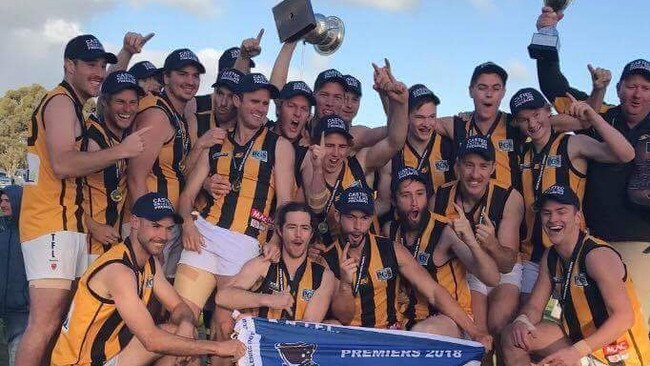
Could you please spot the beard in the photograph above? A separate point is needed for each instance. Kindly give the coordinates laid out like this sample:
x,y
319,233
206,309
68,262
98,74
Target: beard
x,y
408,226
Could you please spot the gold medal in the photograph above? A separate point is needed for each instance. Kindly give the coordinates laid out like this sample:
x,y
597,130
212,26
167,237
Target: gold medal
x,y
235,186
181,167
323,227
116,195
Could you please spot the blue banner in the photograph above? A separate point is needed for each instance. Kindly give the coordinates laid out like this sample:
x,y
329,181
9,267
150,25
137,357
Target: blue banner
x,y
290,343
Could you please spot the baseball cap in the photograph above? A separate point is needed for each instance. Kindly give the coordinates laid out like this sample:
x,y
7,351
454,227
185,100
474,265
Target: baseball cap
x,y
256,81
182,57
407,173
154,206
87,47
489,68
418,93
230,78
561,194
355,198
228,58
293,88
120,80
144,69
479,145
332,124
526,98
636,67
330,76
353,84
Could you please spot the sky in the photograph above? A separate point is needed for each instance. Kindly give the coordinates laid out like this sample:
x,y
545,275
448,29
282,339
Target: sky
x,y
434,42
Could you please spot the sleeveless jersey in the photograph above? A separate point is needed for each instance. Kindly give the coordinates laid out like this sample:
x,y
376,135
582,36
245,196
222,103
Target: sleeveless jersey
x,y
375,301
105,191
93,330
436,164
539,172
507,141
166,175
249,206
584,309
50,204
450,275
306,281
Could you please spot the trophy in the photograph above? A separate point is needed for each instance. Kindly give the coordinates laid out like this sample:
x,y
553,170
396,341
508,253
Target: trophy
x,y
295,19
546,43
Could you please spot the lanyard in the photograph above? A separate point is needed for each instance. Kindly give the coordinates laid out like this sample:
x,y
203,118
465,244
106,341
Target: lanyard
x,y
474,127
567,274
540,172
335,190
249,147
179,125
362,268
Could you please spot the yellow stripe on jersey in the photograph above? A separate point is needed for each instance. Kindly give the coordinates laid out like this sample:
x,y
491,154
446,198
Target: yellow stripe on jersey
x,y
50,204
166,175
584,309
557,169
452,275
308,278
100,201
248,208
93,330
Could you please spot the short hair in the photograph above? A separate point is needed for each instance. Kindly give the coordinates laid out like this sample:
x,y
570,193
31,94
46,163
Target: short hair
x,y
293,206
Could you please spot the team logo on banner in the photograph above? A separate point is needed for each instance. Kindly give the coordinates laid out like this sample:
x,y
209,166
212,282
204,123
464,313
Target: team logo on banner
x,y
297,354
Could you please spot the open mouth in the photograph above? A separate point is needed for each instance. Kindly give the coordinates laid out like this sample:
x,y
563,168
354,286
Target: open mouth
x,y
555,229
124,116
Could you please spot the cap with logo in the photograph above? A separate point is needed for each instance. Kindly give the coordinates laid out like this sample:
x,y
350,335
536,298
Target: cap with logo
x,y
256,81
144,69
87,47
154,206
230,78
489,68
117,81
182,57
293,88
330,76
479,145
355,198
332,124
418,93
526,98
407,173
228,58
636,67
561,194
353,84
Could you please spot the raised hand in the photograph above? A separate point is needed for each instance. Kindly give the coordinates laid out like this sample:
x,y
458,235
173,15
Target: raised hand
x,y
133,145
317,153
600,78
486,232
251,47
461,225
348,266
580,110
133,42
548,18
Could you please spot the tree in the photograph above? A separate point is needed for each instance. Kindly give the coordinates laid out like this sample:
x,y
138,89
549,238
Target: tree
x,y
16,109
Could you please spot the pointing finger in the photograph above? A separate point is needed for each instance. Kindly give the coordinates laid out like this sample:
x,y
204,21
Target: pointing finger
x,y
592,71
322,139
459,210
146,38
345,250
571,97
259,35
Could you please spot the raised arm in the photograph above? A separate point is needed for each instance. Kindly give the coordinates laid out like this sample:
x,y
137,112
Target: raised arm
x,y
280,70
132,44
314,178
249,49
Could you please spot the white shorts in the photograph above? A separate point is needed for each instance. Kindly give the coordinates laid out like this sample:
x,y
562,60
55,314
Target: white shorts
x,y
531,271
225,251
511,278
58,255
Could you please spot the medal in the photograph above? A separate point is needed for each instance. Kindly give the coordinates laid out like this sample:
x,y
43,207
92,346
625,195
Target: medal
x,y
181,167
323,227
116,195
235,186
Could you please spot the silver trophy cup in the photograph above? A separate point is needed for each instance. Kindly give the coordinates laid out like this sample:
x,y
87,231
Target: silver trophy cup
x,y
546,43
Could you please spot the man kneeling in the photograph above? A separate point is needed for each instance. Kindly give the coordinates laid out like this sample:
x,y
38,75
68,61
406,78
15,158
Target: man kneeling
x,y
110,305
601,316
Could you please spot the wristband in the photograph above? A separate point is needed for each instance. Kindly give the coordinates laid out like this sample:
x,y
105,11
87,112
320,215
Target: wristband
x,y
523,318
583,348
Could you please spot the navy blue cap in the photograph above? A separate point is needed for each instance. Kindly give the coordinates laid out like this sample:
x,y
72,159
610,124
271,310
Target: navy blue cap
x,y
182,57
88,48
230,78
256,81
526,98
154,206
479,145
418,93
293,88
355,198
561,194
332,124
330,76
407,173
637,67
117,81
354,85
144,69
489,68
228,58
